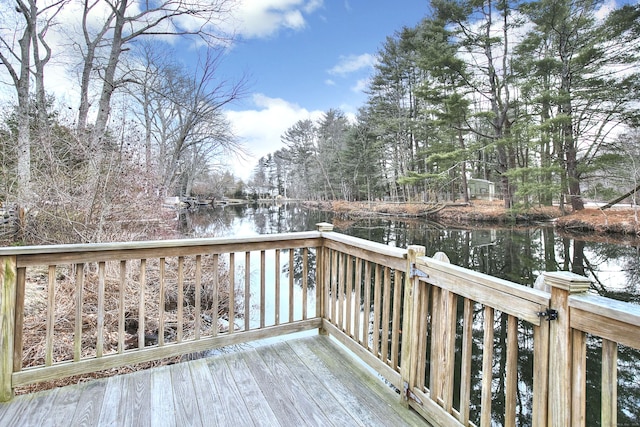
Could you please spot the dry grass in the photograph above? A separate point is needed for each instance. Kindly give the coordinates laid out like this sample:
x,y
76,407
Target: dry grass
x,y
65,306
618,223
617,220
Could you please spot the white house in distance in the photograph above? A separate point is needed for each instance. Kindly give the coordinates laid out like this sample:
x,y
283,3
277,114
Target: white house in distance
x,y
481,189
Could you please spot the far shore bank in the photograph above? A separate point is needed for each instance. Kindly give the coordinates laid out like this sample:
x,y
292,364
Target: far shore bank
x,y
617,220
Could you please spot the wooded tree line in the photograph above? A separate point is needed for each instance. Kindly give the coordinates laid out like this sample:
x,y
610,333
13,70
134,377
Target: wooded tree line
x,y
540,97
142,124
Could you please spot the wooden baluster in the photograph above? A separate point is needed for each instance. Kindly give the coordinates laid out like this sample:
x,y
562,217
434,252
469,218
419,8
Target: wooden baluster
x,y
51,316
578,378
321,273
215,294
447,357
420,364
386,312
198,296
277,297
161,303
101,311
348,294
367,304
121,309
247,291
465,364
333,311
342,259
395,322
141,300
487,367
263,282
357,298
77,330
180,298
232,292
609,407
323,300
377,303
291,283
305,282
511,381
436,342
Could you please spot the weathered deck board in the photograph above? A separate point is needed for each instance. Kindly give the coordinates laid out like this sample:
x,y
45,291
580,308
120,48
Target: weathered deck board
x,y
257,406
305,381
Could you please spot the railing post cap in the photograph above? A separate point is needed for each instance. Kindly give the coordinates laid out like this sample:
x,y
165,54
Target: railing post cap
x,y
568,281
324,226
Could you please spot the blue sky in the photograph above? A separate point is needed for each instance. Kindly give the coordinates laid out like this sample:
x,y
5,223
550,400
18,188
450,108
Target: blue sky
x,y
303,57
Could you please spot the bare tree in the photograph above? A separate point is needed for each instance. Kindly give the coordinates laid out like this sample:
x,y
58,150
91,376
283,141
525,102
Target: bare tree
x,y
23,61
182,114
125,21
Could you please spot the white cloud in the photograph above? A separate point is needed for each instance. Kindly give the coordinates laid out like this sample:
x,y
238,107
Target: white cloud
x,y
361,85
329,82
352,63
260,128
265,18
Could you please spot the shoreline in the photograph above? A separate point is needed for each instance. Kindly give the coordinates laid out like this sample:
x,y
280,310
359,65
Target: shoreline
x,y
622,221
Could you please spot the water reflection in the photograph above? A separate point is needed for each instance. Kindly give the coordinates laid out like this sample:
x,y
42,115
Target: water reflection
x,y
518,254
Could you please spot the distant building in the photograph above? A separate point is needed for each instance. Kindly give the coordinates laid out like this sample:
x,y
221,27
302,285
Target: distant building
x,y
481,189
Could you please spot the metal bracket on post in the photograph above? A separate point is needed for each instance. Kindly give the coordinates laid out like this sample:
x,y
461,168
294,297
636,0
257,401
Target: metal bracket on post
x,y
417,273
549,314
408,394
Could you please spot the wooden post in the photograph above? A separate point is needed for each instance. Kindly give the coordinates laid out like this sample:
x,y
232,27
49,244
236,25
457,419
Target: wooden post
x,y
410,321
324,226
563,284
7,324
322,275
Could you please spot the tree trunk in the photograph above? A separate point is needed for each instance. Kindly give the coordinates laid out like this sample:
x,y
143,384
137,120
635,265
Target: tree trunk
x,y
24,125
108,85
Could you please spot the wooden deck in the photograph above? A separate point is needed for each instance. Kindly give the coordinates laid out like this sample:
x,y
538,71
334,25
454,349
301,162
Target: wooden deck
x,y
299,382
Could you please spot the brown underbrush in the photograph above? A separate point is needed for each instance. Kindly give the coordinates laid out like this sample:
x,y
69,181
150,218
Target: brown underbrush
x,y
133,305
623,221
617,221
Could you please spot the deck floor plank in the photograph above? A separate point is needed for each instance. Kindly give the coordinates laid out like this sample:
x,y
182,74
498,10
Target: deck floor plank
x,y
137,400
89,404
280,400
355,399
228,395
316,390
295,392
186,406
299,382
112,410
206,395
254,399
40,410
37,410
163,411
382,402
64,406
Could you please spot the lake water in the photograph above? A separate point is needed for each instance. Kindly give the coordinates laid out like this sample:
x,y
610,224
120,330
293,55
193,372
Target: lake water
x,y
515,253
519,254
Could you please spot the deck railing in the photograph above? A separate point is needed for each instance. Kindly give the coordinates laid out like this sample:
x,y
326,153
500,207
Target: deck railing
x,y
454,342
103,306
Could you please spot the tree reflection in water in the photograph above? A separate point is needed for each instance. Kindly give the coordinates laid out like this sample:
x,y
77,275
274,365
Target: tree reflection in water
x,y
518,254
